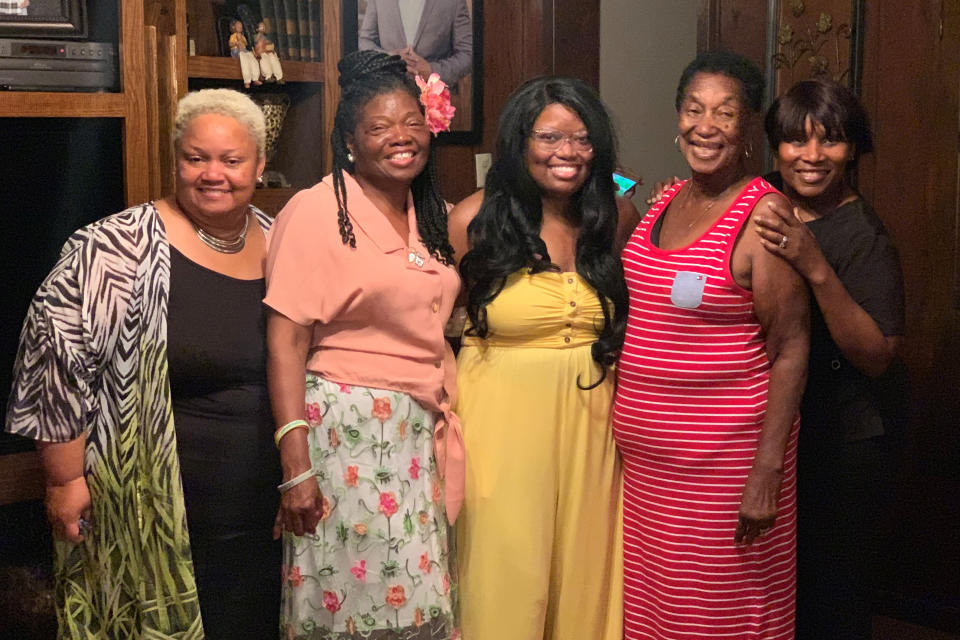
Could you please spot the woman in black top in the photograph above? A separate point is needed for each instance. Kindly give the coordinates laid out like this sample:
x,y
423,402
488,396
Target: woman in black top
x,y
142,378
851,408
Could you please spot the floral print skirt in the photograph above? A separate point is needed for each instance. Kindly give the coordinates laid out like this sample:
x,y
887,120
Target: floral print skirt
x,y
377,567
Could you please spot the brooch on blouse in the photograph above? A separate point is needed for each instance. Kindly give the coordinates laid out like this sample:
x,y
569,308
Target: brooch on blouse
x,y
415,258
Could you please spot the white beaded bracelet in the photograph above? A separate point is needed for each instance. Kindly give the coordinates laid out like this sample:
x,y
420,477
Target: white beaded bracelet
x,y
292,482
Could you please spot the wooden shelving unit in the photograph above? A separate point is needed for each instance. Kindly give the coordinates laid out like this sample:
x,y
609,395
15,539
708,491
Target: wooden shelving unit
x,y
271,200
229,69
20,476
311,86
53,104
129,104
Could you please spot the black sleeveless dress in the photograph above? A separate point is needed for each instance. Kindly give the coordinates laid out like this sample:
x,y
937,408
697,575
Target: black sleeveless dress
x,y
229,464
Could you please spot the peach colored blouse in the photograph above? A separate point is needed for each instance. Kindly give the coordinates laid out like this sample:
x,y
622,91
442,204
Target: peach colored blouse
x,y
377,311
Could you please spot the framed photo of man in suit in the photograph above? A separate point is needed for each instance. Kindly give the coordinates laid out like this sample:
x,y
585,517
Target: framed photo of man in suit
x,y
432,36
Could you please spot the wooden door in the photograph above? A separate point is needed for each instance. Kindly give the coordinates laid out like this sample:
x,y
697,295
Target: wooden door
x,y
523,39
910,85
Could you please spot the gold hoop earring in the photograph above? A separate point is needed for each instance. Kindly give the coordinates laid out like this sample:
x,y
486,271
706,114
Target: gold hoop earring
x,y
676,142
748,150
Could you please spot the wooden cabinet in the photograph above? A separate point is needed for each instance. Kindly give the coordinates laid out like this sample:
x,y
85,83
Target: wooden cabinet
x,y
154,72
45,183
128,105
303,153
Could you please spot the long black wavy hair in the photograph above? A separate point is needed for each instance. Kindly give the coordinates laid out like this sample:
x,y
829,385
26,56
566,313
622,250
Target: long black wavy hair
x,y
365,75
505,234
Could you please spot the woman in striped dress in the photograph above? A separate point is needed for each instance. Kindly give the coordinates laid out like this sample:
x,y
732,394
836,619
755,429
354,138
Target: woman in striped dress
x,y
710,379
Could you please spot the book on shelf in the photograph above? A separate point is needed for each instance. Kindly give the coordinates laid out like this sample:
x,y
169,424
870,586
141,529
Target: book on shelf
x,y
303,30
292,28
315,13
281,40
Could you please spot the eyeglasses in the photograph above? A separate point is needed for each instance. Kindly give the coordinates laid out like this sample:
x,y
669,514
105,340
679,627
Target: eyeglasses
x,y
551,140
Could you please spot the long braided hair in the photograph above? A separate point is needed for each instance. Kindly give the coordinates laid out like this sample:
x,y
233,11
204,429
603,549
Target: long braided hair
x,y
505,234
365,75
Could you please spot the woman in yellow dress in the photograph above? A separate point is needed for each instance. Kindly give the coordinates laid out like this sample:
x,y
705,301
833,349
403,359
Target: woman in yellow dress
x,y
538,537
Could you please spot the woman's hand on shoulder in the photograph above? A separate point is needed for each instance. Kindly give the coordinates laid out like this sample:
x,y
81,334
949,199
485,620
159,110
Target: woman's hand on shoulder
x,y
780,295
783,233
66,504
659,188
459,219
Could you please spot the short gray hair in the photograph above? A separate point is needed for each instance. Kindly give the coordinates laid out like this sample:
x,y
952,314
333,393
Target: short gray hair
x,y
225,102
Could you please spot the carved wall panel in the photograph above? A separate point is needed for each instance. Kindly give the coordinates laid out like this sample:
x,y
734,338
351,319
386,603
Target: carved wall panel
x,y
816,39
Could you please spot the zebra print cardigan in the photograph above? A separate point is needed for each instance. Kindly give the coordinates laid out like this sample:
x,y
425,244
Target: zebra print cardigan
x,y
93,359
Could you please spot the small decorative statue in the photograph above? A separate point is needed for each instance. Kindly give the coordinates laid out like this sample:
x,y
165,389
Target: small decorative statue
x,y
239,49
269,62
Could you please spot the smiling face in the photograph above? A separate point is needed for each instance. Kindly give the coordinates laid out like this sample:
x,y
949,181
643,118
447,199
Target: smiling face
x,y
814,168
559,171
391,142
712,123
217,167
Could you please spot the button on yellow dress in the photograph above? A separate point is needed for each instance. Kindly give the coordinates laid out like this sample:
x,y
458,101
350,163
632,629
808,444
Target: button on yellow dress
x,y
539,536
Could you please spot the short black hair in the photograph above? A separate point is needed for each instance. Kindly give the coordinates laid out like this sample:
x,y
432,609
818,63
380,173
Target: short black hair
x,y
732,65
831,105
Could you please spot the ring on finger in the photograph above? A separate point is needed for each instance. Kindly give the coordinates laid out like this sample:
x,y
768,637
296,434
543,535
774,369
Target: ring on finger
x,y
783,242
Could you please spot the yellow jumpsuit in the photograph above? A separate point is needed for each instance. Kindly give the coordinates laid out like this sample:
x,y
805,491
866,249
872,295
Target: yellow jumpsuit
x,y
539,537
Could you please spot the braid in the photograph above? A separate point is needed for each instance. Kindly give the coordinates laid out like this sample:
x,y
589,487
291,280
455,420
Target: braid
x,y
340,161
363,76
432,214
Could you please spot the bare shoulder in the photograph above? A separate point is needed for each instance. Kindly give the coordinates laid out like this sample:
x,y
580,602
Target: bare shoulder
x,y
468,207
628,217
750,260
459,219
772,198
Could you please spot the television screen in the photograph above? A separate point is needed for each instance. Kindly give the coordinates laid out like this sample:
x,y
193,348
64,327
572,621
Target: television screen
x,y
43,19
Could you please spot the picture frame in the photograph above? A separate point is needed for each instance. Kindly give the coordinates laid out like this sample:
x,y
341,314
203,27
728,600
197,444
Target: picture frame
x,y
466,92
61,19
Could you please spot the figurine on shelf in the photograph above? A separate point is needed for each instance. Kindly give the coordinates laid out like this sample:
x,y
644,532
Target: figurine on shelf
x,y
248,62
265,50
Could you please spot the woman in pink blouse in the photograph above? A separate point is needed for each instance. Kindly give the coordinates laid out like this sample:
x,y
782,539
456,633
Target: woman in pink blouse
x,y
360,285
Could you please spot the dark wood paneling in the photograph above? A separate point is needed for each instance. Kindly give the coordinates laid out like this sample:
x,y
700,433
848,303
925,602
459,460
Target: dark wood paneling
x,y
739,26
523,39
577,25
21,478
911,89
910,86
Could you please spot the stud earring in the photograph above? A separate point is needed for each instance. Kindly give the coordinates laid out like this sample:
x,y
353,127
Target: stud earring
x,y
349,157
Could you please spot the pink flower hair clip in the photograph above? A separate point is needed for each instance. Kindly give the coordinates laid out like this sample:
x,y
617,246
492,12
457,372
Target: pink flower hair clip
x,y
435,98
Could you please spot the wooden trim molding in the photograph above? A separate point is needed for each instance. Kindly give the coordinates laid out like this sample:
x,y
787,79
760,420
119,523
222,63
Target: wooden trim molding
x,y
21,478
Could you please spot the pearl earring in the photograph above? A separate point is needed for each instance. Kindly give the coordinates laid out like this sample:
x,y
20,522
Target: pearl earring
x,y
349,157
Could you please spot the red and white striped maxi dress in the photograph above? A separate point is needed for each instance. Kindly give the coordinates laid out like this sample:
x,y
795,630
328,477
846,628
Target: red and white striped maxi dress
x,y
690,404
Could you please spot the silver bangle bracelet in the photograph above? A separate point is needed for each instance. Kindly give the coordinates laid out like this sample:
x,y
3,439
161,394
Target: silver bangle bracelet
x,y
292,482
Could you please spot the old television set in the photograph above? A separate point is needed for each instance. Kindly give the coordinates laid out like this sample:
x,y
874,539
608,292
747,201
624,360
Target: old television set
x,y
57,19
